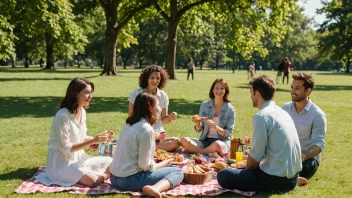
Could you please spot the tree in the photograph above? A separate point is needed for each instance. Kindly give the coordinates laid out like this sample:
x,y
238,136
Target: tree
x,y
31,41
299,44
7,38
61,32
197,38
336,31
90,17
172,11
247,22
51,21
117,14
7,47
151,39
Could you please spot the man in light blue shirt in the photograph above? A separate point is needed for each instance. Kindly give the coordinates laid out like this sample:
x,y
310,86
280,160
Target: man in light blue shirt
x,y
275,155
310,122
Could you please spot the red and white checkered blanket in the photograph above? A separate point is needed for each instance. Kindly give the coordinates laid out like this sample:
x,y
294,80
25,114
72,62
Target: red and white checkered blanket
x,y
211,188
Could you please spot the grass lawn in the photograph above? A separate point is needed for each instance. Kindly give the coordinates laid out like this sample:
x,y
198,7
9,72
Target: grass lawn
x,y
29,99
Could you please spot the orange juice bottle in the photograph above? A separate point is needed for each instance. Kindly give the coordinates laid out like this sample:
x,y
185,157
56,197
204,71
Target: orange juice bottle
x,y
235,143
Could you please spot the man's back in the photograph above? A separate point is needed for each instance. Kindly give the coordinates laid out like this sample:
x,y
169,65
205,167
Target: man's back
x,y
276,142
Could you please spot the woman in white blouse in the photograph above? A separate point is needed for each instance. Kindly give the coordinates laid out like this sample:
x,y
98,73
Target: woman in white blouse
x,y
152,79
133,167
67,163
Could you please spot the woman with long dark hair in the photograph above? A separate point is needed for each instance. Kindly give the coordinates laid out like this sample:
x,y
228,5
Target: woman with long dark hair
x,y
133,167
66,162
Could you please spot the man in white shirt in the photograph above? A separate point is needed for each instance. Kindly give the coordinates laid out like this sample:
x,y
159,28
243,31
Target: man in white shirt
x,y
275,158
310,122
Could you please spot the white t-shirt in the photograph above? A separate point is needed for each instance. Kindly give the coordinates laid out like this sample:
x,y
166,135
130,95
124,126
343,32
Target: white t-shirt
x,y
163,103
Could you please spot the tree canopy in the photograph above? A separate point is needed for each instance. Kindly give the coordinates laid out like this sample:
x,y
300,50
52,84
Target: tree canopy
x,y
7,37
218,34
337,31
243,23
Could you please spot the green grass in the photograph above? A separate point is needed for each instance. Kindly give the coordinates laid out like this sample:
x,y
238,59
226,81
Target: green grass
x,y
29,99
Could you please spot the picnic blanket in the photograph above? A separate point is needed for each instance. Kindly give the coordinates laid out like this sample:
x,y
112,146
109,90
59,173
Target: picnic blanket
x,y
211,188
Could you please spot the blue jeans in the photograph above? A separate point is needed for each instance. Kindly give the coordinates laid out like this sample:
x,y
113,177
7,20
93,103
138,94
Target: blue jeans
x,y
309,167
137,181
255,180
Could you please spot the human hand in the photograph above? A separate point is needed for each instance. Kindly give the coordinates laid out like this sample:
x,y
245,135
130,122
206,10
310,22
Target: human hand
x,y
100,138
173,116
162,136
110,135
196,119
166,163
212,124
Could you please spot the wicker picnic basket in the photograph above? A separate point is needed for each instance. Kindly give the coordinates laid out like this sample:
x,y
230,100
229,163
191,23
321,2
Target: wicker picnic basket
x,y
198,178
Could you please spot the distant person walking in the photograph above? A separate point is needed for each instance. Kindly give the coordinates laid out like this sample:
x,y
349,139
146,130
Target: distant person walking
x,y
287,69
190,66
280,68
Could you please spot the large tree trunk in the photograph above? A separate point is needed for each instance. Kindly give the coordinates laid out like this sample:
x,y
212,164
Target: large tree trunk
x,y
173,19
49,52
171,50
110,52
111,32
113,26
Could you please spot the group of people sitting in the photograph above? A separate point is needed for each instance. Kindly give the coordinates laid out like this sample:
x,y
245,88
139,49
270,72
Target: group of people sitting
x,y
275,161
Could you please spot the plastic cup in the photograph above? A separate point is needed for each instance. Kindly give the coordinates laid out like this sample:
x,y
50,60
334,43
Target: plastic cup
x,y
239,156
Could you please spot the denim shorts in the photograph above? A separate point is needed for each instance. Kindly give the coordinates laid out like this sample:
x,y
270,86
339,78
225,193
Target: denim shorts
x,y
208,141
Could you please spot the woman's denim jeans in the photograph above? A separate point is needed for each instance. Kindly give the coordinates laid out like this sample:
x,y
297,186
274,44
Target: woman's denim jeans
x,y
137,181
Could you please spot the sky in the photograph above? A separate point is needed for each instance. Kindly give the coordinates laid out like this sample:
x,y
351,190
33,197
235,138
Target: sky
x,y
310,7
